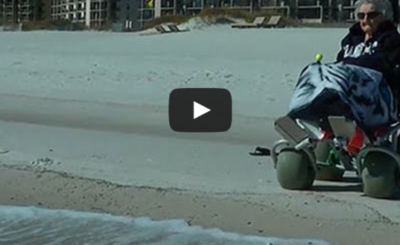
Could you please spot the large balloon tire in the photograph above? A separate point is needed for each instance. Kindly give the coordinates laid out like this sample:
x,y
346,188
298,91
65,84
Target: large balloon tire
x,y
398,144
329,173
379,175
322,151
325,171
295,170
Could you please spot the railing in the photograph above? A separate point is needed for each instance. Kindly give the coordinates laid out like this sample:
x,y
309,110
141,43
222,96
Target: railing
x,y
314,11
286,9
348,10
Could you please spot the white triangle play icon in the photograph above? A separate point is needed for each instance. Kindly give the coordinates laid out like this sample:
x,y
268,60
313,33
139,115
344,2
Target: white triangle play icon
x,y
199,110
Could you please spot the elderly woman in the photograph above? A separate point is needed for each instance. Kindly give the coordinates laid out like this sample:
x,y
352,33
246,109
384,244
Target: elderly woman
x,y
360,84
373,42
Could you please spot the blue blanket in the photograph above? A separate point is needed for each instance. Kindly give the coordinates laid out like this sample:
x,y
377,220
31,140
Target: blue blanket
x,y
358,93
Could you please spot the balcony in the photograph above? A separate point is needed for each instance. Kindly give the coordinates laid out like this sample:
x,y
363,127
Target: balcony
x,y
275,5
346,11
310,11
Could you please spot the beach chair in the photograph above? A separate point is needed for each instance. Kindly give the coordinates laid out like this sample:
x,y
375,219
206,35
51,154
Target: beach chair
x,y
149,32
160,29
169,28
165,29
273,21
176,28
257,22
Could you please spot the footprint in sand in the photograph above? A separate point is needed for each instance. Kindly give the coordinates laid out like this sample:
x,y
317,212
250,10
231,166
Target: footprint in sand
x,y
4,151
43,162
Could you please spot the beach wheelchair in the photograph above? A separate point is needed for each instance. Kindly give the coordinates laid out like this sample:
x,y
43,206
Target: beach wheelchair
x,y
309,152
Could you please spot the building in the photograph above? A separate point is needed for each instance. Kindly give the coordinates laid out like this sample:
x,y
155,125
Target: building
x,y
18,11
92,13
131,15
146,12
307,11
194,7
125,14
122,14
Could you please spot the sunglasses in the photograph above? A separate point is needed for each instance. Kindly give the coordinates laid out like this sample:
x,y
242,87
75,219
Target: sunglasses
x,y
370,15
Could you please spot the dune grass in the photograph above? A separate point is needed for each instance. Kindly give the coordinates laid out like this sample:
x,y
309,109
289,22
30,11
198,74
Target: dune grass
x,y
219,16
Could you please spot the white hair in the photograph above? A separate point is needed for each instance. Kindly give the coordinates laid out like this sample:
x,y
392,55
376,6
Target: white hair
x,y
382,6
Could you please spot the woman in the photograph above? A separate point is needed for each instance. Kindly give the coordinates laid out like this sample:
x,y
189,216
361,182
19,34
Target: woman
x,y
360,84
374,41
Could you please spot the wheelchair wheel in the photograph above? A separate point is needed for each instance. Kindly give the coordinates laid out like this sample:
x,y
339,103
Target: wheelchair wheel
x,y
295,170
326,171
379,175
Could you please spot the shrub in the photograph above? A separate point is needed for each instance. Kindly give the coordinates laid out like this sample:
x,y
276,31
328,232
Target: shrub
x,y
177,19
220,16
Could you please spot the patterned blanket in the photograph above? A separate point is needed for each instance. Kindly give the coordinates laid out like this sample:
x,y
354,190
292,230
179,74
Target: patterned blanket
x,y
358,93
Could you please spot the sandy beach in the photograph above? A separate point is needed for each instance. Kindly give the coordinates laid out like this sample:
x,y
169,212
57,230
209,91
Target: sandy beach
x,y
272,215
85,127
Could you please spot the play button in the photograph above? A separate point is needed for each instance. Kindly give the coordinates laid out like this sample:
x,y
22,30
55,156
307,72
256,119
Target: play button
x,y
199,110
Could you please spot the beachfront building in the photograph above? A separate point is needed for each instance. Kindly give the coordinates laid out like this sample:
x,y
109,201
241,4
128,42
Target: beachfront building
x,y
306,11
331,10
18,11
88,12
130,15
311,11
346,10
121,14
280,6
145,11
150,9
125,14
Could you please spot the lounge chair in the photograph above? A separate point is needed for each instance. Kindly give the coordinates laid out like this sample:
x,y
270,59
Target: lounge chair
x,y
173,28
170,28
176,28
164,28
257,22
273,21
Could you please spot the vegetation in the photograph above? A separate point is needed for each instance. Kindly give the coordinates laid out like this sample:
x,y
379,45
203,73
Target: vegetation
x,y
209,15
219,16
177,19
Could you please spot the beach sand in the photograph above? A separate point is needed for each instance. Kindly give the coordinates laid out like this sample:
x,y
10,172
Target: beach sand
x,y
85,127
261,216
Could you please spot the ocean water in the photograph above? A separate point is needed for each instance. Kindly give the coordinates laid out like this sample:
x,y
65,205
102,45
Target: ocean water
x,y
34,226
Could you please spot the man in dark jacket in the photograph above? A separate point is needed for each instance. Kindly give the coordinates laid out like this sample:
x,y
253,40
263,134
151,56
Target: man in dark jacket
x,y
374,41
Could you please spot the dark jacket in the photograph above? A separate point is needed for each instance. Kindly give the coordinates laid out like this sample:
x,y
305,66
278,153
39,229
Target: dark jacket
x,y
381,52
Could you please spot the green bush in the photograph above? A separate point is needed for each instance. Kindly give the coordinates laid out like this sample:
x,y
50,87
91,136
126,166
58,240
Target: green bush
x,y
220,16
177,19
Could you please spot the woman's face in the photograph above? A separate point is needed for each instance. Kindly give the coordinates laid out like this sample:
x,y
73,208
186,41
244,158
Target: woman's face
x,y
369,18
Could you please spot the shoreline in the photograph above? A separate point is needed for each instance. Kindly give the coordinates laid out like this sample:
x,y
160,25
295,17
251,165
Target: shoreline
x,y
231,213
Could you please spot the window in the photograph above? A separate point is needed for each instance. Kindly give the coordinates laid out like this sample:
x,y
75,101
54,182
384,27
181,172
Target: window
x,y
167,3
